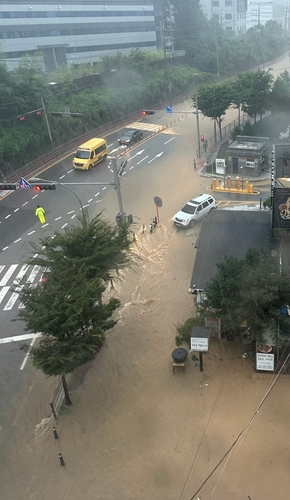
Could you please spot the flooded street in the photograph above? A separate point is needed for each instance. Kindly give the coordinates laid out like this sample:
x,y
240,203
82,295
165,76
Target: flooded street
x,y
136,430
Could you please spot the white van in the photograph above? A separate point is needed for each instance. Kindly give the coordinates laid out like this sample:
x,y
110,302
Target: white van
x,y
194,210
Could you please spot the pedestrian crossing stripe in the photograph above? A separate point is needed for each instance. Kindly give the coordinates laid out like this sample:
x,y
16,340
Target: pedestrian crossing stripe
x,y
12,280
151,127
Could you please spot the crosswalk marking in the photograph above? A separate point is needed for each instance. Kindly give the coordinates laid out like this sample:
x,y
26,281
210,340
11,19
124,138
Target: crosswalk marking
x,y
21,273
3,292
33,274
12,299
12,279
8,274
146,126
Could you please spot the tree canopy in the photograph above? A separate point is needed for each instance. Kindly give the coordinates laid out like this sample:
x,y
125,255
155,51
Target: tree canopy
x,y
249,292
67,308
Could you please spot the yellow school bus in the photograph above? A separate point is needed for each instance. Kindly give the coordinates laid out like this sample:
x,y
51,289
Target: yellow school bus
x,y
90,153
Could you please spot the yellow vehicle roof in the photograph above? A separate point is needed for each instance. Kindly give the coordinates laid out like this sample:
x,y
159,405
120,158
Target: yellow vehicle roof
x,y
92,143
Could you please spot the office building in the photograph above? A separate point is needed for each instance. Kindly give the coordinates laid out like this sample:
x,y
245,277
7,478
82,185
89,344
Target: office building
x,y
77,31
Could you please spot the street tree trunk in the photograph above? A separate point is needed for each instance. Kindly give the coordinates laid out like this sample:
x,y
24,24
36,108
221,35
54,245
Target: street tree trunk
x,y
66,393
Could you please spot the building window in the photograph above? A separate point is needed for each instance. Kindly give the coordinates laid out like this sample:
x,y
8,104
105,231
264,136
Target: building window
x,y
228,16
228,3
215,3
216,17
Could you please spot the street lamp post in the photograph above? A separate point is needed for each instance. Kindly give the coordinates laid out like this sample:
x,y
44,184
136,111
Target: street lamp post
x,y
197,126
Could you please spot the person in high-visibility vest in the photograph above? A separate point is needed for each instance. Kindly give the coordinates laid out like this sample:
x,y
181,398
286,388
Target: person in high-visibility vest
x,y
40,213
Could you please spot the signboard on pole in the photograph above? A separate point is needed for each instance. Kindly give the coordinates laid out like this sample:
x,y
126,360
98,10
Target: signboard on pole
x,y
265,362
199,344
24,184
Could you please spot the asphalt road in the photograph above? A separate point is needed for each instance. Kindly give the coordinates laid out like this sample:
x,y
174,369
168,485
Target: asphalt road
x,y
169,152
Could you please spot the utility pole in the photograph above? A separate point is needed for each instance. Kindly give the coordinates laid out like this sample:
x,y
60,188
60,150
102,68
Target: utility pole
x,y
117,186
197,126
47,123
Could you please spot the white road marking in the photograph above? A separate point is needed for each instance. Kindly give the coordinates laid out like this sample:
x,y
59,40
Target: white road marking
x,y
145,158
33,198
27,336
35,336
7,216
62,227
110,145
16,241
62,177
21,273
5,248
12,299
103,189
8,274
16,210
34,256
71,170
131,167
1,268
57,218
3,292
31,232
73,216
137,154
44,225
33,274
25,203
156,156
90,200
71,212
97,194
169,140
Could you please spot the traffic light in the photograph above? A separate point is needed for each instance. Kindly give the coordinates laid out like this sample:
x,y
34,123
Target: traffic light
x,y
7,187
202,138
43,187
147,112
35,112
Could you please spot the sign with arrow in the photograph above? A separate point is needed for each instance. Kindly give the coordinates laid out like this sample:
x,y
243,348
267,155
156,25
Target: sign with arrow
x,y
24,184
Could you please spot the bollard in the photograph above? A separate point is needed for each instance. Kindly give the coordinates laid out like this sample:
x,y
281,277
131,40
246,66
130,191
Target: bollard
x,y
62,463
55,433
52,410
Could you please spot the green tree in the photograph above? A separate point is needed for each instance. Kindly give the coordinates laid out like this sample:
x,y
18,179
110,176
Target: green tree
x,y
249,291
257,92
68,308
280,96
213,102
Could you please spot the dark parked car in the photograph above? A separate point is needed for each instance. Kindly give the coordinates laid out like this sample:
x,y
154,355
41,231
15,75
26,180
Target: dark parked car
x,y
129,137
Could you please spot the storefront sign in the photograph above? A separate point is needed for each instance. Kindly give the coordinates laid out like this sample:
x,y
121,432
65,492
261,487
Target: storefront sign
x,y
265,362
